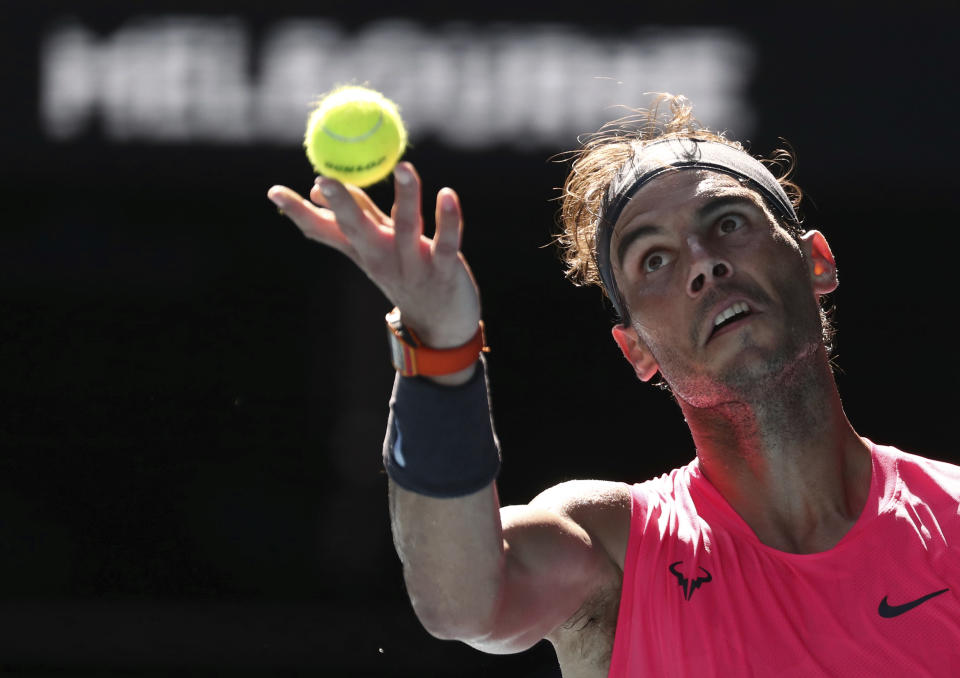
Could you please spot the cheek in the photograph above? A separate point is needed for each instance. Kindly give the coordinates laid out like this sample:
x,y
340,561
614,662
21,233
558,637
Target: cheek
x,y
784,264
652,311
793,287
651,294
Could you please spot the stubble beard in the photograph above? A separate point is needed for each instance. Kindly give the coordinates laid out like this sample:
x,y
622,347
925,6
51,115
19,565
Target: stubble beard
x,y
756,377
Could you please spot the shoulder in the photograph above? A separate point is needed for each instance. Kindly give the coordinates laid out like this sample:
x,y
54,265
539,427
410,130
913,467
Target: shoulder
x,y
922,474
601,508
584,495
605,509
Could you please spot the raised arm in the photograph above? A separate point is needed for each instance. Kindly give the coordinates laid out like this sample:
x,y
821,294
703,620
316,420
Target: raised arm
x,y
499,580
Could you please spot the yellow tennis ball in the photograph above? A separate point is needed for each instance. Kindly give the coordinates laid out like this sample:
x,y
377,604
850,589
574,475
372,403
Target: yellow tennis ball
x,y
355,134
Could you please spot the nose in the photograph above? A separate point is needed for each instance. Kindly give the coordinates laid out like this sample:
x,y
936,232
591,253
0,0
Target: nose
x,y
705,268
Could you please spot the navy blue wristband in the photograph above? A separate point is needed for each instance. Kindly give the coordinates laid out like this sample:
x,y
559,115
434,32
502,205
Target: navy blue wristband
x,y
440,440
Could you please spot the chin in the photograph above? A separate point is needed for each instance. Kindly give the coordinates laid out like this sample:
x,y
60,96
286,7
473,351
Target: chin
x,y
751,375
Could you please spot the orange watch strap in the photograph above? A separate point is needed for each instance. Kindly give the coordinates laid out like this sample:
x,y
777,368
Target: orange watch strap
x,y
411,358
434,362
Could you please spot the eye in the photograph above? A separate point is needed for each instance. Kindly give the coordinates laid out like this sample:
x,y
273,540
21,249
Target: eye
x,y
730,223
655,261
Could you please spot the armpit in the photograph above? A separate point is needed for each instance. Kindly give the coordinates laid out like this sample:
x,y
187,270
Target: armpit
x,y
584,644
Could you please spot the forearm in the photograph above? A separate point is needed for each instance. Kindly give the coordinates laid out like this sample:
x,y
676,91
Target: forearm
x,y
442,458
452,556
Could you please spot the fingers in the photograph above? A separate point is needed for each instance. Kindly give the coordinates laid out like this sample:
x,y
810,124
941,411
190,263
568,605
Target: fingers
x,y
407,218
315,222
359,195
446,241
363,233
367,204
391,251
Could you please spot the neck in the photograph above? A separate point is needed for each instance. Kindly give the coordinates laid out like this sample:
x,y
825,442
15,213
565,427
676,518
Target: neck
x,y
786,458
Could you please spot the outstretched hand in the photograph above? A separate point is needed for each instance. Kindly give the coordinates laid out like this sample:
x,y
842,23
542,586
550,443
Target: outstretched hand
x,y
428,279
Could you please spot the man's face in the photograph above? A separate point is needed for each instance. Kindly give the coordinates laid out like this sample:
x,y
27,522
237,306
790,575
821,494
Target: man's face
x,y
719,295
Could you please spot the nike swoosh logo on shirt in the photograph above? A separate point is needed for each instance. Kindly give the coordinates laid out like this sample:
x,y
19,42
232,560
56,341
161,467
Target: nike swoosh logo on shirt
x,y
888,611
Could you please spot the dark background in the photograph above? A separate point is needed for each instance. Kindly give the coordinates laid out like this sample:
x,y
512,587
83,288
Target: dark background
x,y
193,396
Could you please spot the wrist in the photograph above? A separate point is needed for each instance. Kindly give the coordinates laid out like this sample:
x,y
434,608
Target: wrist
x,y
440,441
449,333
456,378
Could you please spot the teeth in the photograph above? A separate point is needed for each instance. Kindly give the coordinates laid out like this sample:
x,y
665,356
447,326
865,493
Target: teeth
x,y
735,309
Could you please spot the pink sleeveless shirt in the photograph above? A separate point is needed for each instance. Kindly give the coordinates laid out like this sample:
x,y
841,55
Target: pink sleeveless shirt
x,y
703,597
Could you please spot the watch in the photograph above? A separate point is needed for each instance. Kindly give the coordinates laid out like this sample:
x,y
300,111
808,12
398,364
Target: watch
x,y
411,358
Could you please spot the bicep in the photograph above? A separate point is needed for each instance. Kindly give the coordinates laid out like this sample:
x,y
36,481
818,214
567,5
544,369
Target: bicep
x,y
552,565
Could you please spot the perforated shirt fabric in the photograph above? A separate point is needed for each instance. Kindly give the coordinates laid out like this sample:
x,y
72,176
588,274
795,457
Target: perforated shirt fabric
x,y
702,596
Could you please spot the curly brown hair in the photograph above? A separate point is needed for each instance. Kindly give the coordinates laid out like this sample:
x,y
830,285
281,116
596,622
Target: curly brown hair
x,y
600,159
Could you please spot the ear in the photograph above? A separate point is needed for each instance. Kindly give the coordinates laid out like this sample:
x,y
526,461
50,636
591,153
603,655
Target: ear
x,y
635,351
820,262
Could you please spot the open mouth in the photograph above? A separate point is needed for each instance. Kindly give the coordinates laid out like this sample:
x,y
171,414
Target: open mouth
x,y
728,316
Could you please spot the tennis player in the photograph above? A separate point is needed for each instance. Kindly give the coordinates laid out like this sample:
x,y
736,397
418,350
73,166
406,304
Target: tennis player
x,y
790,545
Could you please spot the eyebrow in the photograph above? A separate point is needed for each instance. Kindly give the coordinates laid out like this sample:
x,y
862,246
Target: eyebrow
x,y
724,201
702,214
629,238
